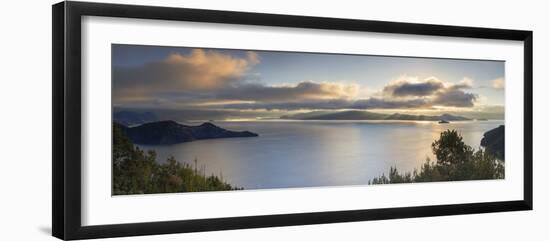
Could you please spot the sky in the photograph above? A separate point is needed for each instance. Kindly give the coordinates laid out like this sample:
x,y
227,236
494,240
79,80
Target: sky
x,y
256,83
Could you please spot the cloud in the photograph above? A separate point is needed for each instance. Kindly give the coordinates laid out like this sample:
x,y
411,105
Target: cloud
x,y
498,83
371,103
200,70
379,103
465,83
306,90
186,115
252,57
206,75
290,105
404,88
214,79
402,94
454,98
431,92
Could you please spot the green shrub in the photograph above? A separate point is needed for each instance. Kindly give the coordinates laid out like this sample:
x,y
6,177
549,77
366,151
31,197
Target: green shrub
x,y
137,172
455,161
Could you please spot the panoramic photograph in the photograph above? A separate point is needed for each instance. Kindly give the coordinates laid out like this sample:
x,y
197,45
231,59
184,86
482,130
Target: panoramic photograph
x,y
190,119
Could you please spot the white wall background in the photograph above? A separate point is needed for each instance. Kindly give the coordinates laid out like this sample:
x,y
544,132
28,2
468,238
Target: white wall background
x,y
25,122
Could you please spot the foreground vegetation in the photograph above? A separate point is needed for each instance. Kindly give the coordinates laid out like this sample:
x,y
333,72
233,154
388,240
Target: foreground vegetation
x,y
138,172
455,161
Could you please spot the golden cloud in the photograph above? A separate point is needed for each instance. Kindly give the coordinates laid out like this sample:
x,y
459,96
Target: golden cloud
x,y
498,83
199,70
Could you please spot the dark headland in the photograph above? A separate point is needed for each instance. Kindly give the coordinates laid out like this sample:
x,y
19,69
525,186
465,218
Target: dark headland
x,y
493,141
170,132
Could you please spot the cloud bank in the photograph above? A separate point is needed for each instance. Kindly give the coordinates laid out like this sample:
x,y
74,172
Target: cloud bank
x,y
404,88
199,71
212,79
305,90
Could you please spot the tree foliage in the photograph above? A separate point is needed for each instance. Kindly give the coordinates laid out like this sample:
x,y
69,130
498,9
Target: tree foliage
x,y
455,161
138,172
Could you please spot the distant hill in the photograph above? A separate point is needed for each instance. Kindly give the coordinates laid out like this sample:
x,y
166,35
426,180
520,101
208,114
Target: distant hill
x,y
493,141
343,115
129,118
449,117
170,132
367,115
306,115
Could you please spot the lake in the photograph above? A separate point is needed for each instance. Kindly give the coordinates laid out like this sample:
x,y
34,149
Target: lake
x,y
297,153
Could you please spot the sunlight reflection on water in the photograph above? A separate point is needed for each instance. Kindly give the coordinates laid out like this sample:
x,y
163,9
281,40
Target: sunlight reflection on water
x,y
318,153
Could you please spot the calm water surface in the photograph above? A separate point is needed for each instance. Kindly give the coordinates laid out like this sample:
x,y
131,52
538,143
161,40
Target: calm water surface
x,y
317,153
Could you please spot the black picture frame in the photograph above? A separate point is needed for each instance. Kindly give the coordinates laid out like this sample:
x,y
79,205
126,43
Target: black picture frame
x,y
66,158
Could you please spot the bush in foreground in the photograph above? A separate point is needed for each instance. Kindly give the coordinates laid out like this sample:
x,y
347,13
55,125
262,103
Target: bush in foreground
x,y
455,161
137,172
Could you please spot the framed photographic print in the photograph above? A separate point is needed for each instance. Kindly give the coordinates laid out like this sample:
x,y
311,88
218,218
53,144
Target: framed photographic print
x,y
170,120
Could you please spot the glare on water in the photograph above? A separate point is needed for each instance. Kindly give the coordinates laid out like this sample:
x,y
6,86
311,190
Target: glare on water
x,y
318,153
